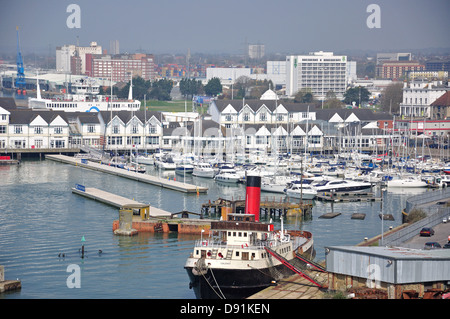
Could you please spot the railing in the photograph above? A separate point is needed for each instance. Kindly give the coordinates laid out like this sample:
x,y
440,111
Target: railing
x,y
426,198
402,235
207,243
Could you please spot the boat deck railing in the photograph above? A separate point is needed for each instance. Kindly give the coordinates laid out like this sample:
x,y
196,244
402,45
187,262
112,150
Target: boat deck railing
x,y
259,244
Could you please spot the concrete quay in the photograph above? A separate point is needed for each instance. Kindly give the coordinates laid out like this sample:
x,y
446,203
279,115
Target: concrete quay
x,y
145,178
116,200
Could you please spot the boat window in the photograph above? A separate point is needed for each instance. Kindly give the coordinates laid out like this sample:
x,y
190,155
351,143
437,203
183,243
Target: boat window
x,y
237,253
240,234
234,234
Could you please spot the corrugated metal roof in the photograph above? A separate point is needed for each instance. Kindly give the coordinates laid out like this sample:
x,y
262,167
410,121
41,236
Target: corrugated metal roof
x,y
395,265
396,252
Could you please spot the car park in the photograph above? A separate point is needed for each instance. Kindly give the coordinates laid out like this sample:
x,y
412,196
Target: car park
x,y
427,231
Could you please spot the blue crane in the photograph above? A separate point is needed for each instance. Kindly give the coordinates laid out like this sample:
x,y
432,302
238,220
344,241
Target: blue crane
x,y
20,79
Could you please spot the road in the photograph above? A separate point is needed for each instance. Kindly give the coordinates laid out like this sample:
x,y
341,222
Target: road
x,y
442,232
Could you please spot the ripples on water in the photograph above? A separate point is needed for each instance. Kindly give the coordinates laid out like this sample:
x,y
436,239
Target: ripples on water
x,y
40,218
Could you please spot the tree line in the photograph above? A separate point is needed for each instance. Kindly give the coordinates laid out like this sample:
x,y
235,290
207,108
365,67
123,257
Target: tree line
x,y
389,101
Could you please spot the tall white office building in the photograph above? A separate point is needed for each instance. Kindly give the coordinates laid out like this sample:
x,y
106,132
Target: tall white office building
x,y
320,72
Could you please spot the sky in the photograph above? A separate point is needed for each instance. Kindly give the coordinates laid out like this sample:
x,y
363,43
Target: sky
x,y
213,26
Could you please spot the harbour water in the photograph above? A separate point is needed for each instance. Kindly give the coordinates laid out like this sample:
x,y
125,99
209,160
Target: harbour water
x,y
42,225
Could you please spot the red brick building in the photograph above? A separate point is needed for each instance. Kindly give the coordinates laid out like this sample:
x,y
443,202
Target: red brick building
x,y
119,67
396,70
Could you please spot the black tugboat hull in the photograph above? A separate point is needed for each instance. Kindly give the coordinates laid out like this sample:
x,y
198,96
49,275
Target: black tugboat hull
x,y
233,283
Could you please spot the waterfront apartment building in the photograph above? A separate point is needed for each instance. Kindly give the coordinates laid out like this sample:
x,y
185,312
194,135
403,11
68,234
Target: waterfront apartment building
x,y
418,95
119,68
320,72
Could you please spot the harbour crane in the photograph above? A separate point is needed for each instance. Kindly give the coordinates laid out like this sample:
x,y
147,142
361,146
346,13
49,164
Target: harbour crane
x,y
20,83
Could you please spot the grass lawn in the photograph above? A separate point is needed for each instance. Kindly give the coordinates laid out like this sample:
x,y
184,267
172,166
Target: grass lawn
x,y
171,106
168,106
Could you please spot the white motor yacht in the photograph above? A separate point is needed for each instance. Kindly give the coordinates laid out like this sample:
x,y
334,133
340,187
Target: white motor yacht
x,y
228,176
203,170
342,185
302,191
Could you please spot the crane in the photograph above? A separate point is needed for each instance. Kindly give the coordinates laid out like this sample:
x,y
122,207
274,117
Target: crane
x,y
20,79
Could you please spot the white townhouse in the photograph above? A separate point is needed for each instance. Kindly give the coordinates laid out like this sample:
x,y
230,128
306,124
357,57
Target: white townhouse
x,y
232,113
23,128
4,122
131,131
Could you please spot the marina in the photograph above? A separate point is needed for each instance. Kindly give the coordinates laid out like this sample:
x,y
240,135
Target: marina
x,y
142,257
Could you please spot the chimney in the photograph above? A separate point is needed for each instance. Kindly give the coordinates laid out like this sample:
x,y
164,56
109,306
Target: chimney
x,y
253,196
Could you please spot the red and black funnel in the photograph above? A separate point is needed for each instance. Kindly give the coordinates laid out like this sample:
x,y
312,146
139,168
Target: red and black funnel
x,y
253,196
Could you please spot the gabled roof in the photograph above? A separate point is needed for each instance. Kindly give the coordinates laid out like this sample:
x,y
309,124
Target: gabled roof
x,y
255,105
126,116
443,100
26,116
89,118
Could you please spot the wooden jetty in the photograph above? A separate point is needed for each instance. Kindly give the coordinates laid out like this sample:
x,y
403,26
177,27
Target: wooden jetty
x,y
145,178
347,197
268,207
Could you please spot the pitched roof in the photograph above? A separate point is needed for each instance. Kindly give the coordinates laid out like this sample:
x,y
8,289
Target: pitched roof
x,y
8,103
26,116
270,104
443,100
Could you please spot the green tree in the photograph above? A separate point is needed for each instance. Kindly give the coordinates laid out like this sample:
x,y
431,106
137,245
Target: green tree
x,y
191,87
213,87
161,90
332,102
304,96
357,94
140,87
391,97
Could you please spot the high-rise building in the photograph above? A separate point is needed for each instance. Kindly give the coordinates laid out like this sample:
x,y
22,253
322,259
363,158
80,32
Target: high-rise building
x,y
63,58
114,47
256,51
319,72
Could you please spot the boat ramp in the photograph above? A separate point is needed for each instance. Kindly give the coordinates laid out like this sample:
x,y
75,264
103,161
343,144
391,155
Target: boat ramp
x,y
140,177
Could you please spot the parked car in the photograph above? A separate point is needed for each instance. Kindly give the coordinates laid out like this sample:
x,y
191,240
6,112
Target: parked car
x,y
427,231
447,245
432,245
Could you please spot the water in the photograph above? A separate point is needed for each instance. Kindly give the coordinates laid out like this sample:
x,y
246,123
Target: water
x,y
40,219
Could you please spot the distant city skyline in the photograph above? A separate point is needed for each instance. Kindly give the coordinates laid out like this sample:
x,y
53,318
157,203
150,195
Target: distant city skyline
x,y
208,26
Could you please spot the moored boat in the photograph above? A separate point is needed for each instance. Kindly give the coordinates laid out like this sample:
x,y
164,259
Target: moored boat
x,y
236,260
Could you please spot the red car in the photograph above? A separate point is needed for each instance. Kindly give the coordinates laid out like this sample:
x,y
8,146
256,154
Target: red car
x,y
427,231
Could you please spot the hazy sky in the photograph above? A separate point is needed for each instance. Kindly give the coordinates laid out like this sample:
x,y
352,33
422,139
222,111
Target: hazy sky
x,y
212,26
